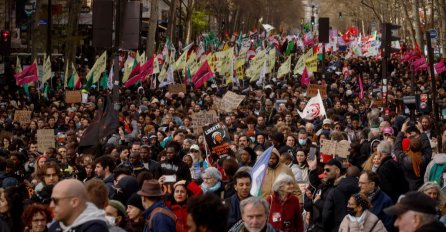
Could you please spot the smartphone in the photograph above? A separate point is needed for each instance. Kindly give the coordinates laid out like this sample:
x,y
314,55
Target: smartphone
x,y
312,153
170,178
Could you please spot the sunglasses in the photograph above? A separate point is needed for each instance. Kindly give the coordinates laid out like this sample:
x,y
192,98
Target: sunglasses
x,y
56,200
327,170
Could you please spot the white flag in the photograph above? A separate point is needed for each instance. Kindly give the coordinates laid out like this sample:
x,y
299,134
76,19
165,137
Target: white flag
x,y
314,108
110,79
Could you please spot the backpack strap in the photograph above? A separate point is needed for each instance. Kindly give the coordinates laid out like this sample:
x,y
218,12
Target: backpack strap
x,y
163,211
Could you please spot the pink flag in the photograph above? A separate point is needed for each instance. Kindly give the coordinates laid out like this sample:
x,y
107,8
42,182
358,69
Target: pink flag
x,y
419,62
423,66
305,79
27,75
361,88
440,67
204,73
134,76
147,67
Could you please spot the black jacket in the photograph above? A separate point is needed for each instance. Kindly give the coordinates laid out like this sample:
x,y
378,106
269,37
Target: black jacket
x,y
176,167
391,178
435,226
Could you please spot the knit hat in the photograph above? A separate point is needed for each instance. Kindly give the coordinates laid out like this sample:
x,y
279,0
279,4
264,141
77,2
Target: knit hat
x,y
213,172
135,200
118,205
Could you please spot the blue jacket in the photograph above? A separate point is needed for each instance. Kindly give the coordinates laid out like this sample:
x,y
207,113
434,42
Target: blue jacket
x,y
379,202
160,221
233,204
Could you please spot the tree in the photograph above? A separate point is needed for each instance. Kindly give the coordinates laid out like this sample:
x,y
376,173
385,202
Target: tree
x,y
153,25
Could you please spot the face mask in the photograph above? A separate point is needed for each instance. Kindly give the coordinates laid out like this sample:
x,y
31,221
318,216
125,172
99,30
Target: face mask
x,y
434,144
351,211
110,219
302,142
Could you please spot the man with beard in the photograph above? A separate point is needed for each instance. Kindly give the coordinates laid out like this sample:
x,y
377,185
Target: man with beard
x,y
173,168
148,162
104,167
242,186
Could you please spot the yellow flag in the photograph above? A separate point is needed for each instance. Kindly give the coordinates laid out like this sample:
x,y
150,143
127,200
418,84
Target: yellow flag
x,y
255,66
46,70
128,66
98,68
224,59
240,72
300,65
311,63
156,66
192,58
66,76
163,74
271,60
285,68
212,61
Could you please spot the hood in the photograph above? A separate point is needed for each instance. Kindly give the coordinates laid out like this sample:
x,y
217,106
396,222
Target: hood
x,y
90,213
439,158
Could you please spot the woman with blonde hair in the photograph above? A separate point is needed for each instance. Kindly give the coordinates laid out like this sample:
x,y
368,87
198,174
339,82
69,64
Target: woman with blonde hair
x,y
372,163
433,190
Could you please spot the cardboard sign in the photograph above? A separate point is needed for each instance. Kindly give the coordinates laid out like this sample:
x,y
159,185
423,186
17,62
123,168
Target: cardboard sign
x,y
216,103
231,101
312,90
378,103
22,116
45,139
331,147
177,88
202,119
217,138
73,96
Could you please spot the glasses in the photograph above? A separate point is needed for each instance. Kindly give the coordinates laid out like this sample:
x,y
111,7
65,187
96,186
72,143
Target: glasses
x,y
56,200
337,128
327,170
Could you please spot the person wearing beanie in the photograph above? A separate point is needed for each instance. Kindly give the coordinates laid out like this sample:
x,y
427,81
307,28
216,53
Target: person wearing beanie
x,y
275,168
116,211
135,219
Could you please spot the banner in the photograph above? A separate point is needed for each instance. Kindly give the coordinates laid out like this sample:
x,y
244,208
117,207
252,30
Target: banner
x,y
231,101
98,68
285,68
177,88
312,90
47,70
45,139
217,138
270,60
74,96
311,63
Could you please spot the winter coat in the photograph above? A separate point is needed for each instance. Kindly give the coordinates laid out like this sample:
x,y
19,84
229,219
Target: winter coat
x,y
380,201
336,202
391,178
233,204
316,208
241,228
439,158
160,221
405,161
370,223
435,226
4,227
176,167
181,212
286,215
90,220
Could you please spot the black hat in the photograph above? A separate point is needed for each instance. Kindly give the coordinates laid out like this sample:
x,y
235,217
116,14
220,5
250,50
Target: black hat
x,y
135,200
334,162
415,201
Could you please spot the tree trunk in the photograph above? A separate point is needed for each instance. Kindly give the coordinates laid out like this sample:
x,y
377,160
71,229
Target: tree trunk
x,y
189,11
172,20
71,29
416,19
153,24
408,21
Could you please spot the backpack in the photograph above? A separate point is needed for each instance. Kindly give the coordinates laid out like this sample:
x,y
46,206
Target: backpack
x,y
436,173
164,211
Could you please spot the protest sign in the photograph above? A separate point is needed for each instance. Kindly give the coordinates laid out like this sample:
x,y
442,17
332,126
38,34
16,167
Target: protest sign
x,y
45,139
331,147
73,96
22,116
177,88
202,119
312,90
217,138
231,101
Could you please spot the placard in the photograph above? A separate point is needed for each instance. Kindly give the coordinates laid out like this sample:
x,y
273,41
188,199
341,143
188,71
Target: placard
x,y
217,138
73,96
177,88
312,90
231,101
202,119
22,116
45,139
331,147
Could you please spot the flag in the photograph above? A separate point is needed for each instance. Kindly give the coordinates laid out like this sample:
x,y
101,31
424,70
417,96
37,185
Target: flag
x,y
46,70
204,73
419,62
314,108
259,171
98,68
129,65
104,81
65,79
46,91
74,80
289,47
18,66
285,68
439,67
147,67
361,88
134,76
28,75
104,124
110,78
305,79
268,27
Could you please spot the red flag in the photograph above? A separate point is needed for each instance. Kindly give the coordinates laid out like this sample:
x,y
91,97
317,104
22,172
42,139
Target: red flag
x,y
417,49
204,73
361,88
27,75
440,67
134,76
147,68
419,62
305,79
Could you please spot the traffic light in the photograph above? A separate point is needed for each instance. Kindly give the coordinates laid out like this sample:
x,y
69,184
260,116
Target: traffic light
x,y
5,43
312,20
387,38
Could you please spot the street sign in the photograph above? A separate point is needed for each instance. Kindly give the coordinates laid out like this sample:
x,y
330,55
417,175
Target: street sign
x,y
43,22
433,33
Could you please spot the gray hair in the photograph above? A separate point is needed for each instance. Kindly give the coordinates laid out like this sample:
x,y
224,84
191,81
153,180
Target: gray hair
x,y
426,217
385,148
281,180
255,201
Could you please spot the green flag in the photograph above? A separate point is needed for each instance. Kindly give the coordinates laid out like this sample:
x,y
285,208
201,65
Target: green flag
x,y
26,88
104,80
89,84
46,91
289,47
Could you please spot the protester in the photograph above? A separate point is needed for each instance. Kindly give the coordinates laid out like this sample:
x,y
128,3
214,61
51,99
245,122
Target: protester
x,y
254,215
207,213
242,185
36,217
178,204
135,219
212,182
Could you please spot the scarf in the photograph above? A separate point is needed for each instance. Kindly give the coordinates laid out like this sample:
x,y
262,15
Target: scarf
x,y
416,161
211,189
372,194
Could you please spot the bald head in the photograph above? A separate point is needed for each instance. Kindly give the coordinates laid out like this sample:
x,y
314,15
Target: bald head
x,y
71,188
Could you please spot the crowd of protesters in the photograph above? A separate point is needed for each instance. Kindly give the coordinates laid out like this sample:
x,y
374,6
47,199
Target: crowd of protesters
x,y
155,172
